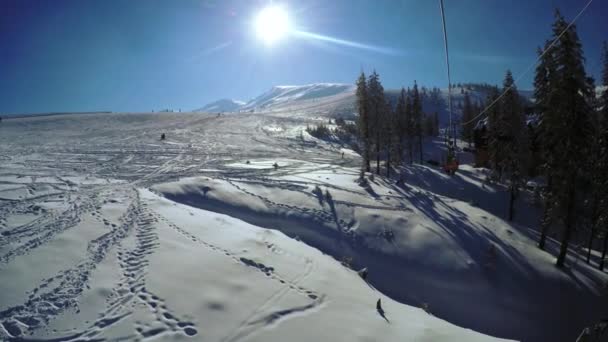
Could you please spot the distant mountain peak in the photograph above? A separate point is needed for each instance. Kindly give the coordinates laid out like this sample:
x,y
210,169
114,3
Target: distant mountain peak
x,y
222,105
283,94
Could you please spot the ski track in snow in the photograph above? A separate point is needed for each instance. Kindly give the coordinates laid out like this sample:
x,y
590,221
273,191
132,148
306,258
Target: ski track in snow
x,y
98,161
260,317
61,292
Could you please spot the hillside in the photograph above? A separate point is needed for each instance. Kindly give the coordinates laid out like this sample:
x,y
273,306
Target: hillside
x,y
200,237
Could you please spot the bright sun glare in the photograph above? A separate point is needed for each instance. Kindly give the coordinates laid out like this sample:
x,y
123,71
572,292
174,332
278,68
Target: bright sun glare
x,y
272,24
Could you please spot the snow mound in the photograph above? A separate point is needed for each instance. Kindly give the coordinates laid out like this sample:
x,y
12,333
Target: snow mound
x,y
449,253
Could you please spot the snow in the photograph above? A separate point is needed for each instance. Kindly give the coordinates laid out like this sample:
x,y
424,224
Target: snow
x,y
221,106
279,95
109,233
321,97
449,252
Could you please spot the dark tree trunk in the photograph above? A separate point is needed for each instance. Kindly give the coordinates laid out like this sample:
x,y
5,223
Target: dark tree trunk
x,y
399,152
366,158
594,219
411,148
544,227
420,145
563,250
511,202
605,247
546,222
388,158
378,153
590,243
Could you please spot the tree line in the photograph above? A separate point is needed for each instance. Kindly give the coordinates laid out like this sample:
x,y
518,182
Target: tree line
x,y
567,144
390,132
566,140
574,140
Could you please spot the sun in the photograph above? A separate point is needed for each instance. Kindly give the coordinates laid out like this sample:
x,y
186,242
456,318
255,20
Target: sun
x,y
272,24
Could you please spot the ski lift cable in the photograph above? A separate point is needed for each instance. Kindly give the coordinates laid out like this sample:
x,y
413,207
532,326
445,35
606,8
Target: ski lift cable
x,y
530,66
447,63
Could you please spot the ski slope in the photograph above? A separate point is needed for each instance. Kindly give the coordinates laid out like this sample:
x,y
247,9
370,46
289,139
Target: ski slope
x,y
108,233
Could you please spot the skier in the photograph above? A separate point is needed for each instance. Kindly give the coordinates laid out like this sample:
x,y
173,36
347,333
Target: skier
x,y
380,310
162,136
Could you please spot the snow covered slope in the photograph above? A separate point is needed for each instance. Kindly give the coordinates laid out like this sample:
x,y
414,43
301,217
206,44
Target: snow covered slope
x,y
108,233
457,259
221,106
281,96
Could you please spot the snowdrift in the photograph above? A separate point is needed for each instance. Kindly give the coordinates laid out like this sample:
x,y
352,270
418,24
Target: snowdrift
x,y
460,262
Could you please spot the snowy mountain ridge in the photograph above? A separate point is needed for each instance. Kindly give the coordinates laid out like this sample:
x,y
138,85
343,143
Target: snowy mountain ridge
x,y
280,95
222,105
338,99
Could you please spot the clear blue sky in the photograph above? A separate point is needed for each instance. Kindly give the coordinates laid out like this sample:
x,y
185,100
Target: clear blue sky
x,y
136,55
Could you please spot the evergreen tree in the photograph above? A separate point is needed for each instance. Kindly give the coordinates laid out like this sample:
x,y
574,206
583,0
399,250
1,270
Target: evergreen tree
x,y
389,135
364,120
567,126
603,100
600,179
377,106
592,184
436,124
467,116
495,147
429,125
401,124
513,137
545,71
409,126
435,98
417,118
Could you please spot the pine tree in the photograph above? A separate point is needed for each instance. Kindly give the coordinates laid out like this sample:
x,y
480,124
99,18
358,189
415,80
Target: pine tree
x,y
495,147
429,125
364,120
600,179
603,100
417,118
377,106
389,134
592,184
567,124
401,124
545,71
435,99
467,117
513,138
436,124
409,126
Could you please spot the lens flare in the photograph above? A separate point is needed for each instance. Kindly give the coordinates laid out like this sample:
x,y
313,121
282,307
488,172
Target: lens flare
x,y
272,24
